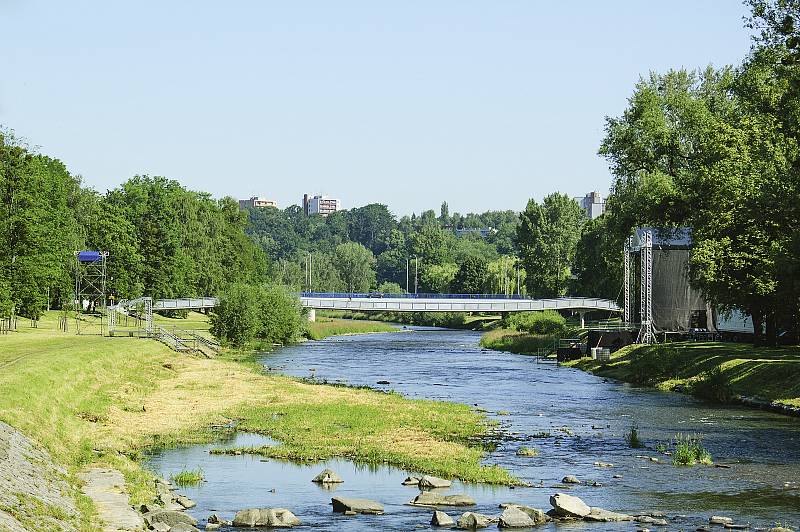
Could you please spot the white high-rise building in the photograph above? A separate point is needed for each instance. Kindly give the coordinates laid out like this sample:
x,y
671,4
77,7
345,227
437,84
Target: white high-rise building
x,y
593,204
321,205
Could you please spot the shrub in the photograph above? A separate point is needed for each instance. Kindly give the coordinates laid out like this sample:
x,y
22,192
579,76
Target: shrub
x,y
527,451
267,312
547,322
633,439
390,288
689,451
714,386
188,477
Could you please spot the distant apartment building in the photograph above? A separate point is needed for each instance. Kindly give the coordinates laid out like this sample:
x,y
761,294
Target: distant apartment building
x,y
321,205
593,204
256,201
482,232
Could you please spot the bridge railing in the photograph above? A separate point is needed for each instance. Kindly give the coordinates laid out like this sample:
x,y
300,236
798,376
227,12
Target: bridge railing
x,y
379,295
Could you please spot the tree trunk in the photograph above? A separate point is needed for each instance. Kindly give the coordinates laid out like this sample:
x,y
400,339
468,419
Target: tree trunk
x,y
772,330
758,328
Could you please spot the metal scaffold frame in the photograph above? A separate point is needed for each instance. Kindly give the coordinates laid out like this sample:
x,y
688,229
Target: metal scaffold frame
x,y
647,333
627,318
90,287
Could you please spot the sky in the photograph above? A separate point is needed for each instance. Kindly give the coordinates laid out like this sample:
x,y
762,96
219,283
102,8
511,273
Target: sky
x,y
482,104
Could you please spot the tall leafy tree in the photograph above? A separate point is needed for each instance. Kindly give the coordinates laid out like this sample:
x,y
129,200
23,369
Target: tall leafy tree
x,y
547,238
356,266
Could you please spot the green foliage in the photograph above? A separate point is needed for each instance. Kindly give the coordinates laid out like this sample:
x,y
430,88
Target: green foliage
x,y
633,439
471,277
248,312
518,342
689,451
545,322
188,477
437,278
390,288
355,264
547,237
527,451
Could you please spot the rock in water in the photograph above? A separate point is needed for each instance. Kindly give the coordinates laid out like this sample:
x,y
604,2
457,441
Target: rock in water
x,y
598,514
170,518
441,519
429,482
471,520
719,520
569,506
269,517
328,476
411,481
513,517
183,527
536,514
359,506
186,502
427,498
570,479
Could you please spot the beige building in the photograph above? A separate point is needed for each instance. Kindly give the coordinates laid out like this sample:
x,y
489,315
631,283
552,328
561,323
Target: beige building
x,y
256,201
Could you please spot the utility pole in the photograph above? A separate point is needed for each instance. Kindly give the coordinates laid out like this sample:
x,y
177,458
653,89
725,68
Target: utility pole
x,y
416,271
406,275
518,290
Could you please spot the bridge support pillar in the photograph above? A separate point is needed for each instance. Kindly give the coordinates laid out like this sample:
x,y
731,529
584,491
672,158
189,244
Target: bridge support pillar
x,y
582,314
312,315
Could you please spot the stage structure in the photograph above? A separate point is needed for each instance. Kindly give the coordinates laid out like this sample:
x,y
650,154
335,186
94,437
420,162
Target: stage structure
x,y
667,303
90,290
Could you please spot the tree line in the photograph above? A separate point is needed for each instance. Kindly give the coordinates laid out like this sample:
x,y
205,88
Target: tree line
x,y
163,239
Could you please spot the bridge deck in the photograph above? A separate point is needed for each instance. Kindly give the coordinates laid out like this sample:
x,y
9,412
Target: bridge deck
x,y
454,303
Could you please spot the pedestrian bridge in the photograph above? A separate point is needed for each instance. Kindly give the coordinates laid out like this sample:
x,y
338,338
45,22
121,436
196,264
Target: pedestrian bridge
x,y
449,303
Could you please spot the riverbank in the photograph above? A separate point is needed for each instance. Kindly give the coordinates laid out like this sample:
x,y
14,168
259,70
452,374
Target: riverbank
x,y
448,320
97,401
518,342
325,326
723,372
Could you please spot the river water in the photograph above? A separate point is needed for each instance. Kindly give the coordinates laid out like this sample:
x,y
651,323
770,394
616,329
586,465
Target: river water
x,y
573,418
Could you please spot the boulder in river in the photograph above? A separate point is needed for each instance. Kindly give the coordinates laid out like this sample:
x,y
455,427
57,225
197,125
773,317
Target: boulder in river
x,y
183,527
170,518
359,506
441,519
570,479
267,517
430,482
719,520
184,501
536,514
647,519
569,506
472,520
513,517
598,514
328,476
411,481
429,498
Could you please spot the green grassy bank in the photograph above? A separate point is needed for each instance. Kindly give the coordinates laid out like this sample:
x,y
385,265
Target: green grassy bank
x,y
449,320
516,342
92,400
324,327
723,372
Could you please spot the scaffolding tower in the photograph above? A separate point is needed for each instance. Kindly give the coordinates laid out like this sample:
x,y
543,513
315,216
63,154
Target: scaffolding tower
x,y
647,333
627,318
90,291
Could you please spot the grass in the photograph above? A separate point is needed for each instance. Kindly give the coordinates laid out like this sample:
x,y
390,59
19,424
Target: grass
x,y
717,371
516,342
527,451
689,451
92,400
188,477
633,439
325,327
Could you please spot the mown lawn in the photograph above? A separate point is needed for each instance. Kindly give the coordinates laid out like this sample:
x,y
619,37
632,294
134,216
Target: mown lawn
x,y
715,370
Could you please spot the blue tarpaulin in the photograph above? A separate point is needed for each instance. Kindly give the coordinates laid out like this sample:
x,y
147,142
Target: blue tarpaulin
x,y
89,256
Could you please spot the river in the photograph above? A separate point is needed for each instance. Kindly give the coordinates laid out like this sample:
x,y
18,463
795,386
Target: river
x,y
573,418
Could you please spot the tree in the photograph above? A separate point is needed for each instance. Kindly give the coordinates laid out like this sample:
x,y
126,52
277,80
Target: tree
x,y
547,237
598,261
236,317
370,226
356,266
444,214
436,278
471,277
502,276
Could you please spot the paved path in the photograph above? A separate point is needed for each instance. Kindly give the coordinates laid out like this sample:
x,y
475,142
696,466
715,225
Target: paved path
x,y
106,488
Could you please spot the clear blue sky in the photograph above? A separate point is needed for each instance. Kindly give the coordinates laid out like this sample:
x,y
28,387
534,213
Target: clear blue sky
x,y
408,103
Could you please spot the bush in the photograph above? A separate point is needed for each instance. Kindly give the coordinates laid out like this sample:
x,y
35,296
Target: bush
x,y
246,312
390,288
689,451
547,322
633,439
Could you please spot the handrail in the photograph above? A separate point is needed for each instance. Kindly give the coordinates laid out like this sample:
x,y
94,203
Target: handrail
x,y
427,295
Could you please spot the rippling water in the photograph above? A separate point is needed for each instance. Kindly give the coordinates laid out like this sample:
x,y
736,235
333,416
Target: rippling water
x,y
585,416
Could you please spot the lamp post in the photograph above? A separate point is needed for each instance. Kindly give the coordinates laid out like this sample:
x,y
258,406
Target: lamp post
x,y
416,271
